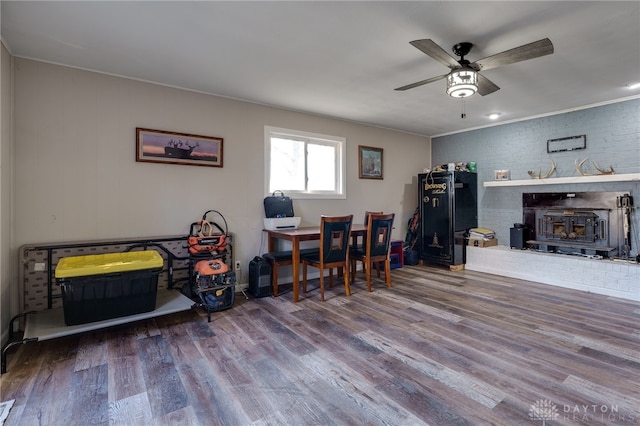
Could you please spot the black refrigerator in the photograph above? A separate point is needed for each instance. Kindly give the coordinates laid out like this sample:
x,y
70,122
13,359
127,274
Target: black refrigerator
x,y
448,209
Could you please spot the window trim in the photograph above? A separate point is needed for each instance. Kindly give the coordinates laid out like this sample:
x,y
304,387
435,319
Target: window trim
x,y
340,194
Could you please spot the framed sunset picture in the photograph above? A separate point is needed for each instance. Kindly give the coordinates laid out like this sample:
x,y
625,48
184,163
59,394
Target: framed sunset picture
x,y
160,146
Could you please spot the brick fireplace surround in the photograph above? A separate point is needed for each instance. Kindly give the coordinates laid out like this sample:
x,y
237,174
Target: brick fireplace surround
x,y
608,277
616,278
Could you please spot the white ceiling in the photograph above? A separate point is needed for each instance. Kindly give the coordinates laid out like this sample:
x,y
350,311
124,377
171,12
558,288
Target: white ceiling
x,y
343,59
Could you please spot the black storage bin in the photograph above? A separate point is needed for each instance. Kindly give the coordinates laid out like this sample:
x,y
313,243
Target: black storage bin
x,y
100,287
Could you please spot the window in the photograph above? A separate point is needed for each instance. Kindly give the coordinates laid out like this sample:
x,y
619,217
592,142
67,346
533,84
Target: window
x,y
304,165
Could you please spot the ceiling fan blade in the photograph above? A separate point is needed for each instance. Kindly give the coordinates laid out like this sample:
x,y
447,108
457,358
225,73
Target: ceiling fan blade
x,y
486,86
522,53
420,83
429,47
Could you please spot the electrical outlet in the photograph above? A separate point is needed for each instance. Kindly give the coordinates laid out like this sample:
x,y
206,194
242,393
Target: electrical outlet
x,y
237,265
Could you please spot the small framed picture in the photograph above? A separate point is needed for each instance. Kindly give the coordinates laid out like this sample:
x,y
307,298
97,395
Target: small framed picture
x,y
501,174
369,162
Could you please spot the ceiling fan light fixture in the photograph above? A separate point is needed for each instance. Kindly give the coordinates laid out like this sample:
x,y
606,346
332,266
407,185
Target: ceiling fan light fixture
x,y
462,83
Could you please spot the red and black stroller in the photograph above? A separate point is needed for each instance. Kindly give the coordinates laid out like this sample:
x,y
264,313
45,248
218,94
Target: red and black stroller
x,y
212,283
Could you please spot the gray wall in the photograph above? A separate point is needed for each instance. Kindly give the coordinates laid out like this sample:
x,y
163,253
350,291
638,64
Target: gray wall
x,y
8,294
613,138
75,177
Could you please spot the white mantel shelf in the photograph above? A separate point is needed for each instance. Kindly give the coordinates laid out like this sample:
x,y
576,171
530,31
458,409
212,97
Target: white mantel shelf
x,y
629,177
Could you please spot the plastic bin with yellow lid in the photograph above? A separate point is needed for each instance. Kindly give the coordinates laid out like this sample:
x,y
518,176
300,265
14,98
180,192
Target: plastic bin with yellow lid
x,y
97,287
108,263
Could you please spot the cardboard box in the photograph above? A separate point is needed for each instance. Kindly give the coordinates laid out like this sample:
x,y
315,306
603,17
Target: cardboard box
x,y
483,243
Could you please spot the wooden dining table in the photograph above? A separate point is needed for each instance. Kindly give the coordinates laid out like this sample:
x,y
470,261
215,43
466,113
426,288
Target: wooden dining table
x,y
309,233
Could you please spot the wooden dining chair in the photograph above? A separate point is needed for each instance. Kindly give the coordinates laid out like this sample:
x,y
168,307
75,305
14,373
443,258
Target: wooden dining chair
x,y
282,258
356,244
376,248
334,251
367,214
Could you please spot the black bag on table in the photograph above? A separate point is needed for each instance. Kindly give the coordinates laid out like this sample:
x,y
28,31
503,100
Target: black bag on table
x,y
278,205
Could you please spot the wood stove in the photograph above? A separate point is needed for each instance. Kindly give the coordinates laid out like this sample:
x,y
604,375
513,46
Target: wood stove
x,y
585,223
579,226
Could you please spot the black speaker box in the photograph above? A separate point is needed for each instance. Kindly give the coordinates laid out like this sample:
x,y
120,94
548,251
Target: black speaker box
x,y
259,277
519,237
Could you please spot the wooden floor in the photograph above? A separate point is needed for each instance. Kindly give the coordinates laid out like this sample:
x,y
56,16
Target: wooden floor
x,y
440,348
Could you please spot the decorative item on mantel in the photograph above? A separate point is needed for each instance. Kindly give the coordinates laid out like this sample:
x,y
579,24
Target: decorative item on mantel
x,y
539,175
501,175
601,171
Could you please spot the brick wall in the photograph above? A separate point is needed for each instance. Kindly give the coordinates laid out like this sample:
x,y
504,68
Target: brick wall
x,y
607,277
613,138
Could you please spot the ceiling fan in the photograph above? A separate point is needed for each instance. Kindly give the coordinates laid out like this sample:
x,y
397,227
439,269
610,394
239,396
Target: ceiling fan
x,y
464,79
